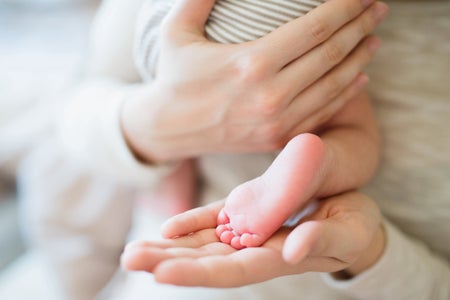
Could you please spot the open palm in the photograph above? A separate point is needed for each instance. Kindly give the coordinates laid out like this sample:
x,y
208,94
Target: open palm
x,y
330,239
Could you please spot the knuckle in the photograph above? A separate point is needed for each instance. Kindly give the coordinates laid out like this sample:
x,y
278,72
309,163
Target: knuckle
x,y
332,87
251,67
334,53
319,29
271,134
322,117
366,26
269,103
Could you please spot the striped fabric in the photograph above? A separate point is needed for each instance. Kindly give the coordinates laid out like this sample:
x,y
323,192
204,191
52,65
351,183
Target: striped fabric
x,y
231,21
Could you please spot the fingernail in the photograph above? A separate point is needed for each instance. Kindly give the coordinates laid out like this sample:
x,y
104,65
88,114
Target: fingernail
x,y
374,44
361,81
381,11
366,3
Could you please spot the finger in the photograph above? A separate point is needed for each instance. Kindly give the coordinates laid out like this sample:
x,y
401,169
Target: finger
x,y
299,250
335,89
300,241
143,258
194,240
188,16
296,38
296,122
304,71
146,257
319,239
348,228
326,113
191,221
240,268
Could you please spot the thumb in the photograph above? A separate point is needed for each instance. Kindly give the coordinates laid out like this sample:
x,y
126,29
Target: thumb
x,y
327,238
301,241
189,16
323,239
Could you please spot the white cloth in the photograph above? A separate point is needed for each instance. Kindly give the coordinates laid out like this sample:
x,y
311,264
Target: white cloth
x,y
100,119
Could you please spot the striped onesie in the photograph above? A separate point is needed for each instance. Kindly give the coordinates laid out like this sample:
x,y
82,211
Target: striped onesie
x,y
231,21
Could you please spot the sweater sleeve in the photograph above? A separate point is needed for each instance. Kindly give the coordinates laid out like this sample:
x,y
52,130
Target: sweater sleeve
x,y
89,126
91,134
407,270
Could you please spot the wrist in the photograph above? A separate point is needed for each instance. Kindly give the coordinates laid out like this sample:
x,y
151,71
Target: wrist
x,y
156,128
372,254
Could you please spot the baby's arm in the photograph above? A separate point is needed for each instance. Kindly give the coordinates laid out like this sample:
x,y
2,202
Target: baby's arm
x,y
352,147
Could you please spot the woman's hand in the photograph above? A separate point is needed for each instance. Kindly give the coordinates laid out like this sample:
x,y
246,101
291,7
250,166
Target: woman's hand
x,y
250,97
344,234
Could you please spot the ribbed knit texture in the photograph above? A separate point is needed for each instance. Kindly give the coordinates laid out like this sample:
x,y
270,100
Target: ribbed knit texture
x,y
231,21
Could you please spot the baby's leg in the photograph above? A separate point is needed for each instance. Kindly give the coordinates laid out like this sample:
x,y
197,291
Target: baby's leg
x,y
256,209
176,192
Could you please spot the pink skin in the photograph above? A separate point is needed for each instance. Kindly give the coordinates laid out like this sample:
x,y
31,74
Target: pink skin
x,y
176,192
256,209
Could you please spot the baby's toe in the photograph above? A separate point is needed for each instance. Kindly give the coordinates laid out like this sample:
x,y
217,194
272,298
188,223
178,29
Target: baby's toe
x,y
223,218
236,243
226,237
251,240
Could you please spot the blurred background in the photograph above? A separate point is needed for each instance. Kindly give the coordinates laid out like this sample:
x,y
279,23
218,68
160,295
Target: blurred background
x,y
42,43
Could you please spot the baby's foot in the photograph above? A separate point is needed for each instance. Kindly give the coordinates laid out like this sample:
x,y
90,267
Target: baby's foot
x,y
256,209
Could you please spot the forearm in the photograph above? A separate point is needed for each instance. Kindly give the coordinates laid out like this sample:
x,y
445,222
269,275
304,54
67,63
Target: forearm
x,y
353,147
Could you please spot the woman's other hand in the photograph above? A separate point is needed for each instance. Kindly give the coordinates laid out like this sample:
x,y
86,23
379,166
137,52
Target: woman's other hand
x,y
250,97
